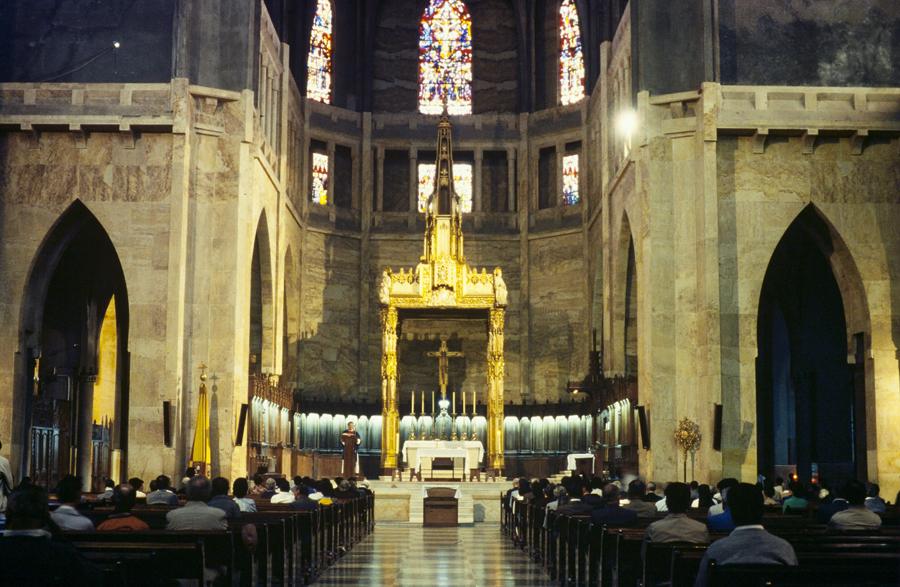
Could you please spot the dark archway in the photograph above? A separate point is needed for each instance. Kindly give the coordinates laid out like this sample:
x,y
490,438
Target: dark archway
x,y
811,409
75,384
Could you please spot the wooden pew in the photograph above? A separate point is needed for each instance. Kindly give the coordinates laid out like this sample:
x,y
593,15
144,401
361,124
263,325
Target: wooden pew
x,y
824,569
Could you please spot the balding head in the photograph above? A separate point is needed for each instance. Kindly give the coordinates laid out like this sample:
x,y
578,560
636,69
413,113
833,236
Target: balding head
x,y
198,489
611,493
123,497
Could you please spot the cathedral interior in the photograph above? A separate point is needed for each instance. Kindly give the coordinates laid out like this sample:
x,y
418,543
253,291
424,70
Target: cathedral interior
x,y
672,210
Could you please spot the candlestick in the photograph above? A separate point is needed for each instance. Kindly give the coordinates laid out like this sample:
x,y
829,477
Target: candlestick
x,y
464,403
453,405
423,403
432,402
412,403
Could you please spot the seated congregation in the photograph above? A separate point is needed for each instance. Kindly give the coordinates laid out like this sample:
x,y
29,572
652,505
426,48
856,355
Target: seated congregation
x,y
593,531
262,531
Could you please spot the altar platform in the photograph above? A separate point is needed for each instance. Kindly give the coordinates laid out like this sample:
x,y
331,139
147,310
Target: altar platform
x,y
403,501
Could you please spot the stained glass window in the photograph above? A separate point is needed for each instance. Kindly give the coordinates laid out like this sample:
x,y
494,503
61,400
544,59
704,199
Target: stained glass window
x,y
570,180
571,58
445,58
320,178
318,63
462,183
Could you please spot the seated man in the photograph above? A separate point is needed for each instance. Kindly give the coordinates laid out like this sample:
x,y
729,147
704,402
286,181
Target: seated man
x,y
797,502
163,494
636,503
826,510
219,498
108,487
651,495
282,491
677,526
196,514
576,506
748,543
723,486
138,485
123,498
301,499
66,516
240,489
612,514
874,503
345,491
856,516
28,553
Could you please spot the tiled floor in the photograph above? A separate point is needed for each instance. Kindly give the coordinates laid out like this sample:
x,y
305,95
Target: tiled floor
x,y
410,555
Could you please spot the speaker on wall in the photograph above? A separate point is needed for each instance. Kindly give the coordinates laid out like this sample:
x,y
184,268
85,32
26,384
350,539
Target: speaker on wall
x,y
717,427
645,427
167,424
242,421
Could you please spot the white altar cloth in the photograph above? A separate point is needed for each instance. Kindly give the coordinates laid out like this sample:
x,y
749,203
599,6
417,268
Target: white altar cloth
x,y
570,460
415,451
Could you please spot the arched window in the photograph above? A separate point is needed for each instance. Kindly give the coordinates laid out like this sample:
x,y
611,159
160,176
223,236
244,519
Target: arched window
x,y
571,58
318,63
462,183
445,58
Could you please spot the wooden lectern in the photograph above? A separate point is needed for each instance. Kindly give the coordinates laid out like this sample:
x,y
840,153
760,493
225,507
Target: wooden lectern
x,y
348,439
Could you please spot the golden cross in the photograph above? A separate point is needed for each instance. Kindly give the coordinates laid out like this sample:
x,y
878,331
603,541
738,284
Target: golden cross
x,y
443,356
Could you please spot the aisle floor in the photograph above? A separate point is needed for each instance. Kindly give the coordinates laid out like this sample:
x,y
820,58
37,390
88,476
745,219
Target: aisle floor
x,y
411,555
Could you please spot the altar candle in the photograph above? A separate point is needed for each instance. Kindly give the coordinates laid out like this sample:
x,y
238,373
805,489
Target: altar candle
x,y
423,403
454,403
474,405
412,402
432,402
464,403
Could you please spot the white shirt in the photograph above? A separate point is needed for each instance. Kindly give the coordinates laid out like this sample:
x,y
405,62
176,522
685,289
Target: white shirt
x,y
282,497
7,472
661,505
68,518
245,504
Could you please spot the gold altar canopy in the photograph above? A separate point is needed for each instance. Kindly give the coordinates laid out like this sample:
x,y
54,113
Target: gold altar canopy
x,y
442,281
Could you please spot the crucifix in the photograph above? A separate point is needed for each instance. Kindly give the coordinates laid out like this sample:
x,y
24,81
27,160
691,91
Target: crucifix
x,y
443,356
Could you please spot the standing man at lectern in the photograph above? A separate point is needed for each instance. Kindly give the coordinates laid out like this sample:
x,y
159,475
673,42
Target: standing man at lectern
x,y
350,440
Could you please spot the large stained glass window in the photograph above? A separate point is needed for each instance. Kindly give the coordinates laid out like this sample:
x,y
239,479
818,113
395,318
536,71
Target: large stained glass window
x,y
319,189
571,58
570,180
445,58
318,63
462,183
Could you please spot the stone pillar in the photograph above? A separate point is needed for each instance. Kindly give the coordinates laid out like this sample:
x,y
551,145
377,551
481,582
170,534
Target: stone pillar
x,y
477,204
413,185
495,390
511,180
390,415
379,178
85,430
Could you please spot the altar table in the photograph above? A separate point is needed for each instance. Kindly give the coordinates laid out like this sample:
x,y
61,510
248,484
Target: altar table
x,y
415,451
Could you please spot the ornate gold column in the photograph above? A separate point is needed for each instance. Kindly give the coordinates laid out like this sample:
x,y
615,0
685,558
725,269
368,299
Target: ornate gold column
x,y
390,416
495,390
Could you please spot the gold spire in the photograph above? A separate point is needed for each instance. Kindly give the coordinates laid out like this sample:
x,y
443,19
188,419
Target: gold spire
x,y
443,223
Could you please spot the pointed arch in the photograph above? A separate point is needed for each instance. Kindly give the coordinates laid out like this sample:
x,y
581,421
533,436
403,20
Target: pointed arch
x,y
445,58
814,382
262,307
74,282
319,67
624,302
571,55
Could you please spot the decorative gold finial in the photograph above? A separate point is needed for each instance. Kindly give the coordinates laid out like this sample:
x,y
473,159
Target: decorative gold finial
x,y
202,368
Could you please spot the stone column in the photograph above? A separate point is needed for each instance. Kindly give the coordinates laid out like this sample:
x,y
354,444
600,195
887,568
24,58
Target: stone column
x,y
379,178
85,430
390,415
495,390
511,179
413,185
477,204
